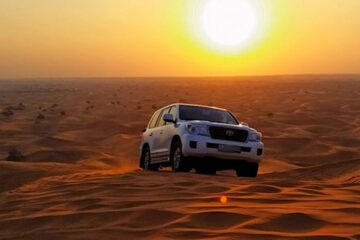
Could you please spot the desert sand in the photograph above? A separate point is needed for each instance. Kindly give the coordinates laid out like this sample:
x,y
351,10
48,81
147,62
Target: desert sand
x,y
78,176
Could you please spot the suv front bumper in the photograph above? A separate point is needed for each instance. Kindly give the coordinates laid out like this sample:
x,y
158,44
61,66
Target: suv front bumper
x,y
205,147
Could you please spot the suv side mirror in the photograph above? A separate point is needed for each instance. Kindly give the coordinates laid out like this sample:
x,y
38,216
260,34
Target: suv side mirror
x,y
169,118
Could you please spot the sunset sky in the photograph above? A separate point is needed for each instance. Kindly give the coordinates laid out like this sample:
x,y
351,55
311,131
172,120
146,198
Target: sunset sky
x,y
115,38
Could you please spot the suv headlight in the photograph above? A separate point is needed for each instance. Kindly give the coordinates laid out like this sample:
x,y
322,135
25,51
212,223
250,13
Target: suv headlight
x,y
197,130
255,136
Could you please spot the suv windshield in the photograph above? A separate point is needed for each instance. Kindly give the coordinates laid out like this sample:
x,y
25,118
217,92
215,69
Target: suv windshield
x,y
189,113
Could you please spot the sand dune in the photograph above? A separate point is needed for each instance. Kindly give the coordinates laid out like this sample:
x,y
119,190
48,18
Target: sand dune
x,y
79,177
102,205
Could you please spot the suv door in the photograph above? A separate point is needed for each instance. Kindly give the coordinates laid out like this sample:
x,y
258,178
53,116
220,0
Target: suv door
x,y
158,154
166,133
149,134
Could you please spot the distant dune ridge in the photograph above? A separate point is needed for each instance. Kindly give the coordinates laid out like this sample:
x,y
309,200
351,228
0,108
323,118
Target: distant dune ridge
x,y
78,176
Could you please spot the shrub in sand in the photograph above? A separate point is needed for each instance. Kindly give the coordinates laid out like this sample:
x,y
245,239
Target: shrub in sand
x,y
63,113
7,112
14,155
20,106
40,117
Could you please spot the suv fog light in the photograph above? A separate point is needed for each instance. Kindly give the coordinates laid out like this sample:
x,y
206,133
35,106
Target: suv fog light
x,y
193,144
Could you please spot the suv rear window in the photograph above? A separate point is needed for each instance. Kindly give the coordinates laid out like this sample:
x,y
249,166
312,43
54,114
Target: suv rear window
x,y
189,113
154,119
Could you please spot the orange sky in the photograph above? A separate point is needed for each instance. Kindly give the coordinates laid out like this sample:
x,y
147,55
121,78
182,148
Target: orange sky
x,y
113,38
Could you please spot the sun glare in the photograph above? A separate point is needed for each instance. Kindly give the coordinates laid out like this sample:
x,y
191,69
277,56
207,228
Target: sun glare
x,y
228,25
223,199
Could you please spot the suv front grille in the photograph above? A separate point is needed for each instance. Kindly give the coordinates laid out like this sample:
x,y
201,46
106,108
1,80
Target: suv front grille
x,y
230,134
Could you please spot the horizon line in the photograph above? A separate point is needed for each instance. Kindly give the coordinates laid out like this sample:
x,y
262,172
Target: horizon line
x,y
185,76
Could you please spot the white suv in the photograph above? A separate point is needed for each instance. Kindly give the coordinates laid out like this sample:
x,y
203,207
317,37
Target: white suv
x,y
208,139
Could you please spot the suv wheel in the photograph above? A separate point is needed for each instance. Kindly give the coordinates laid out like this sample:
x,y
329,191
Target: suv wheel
x,y
247,169
178,161
147,161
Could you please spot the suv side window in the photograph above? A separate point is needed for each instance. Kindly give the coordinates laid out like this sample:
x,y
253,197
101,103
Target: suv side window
x,y
161,119
173,112
154,119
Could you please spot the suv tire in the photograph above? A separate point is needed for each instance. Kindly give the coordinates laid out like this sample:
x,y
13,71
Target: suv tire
x,y
178,162
247,169
147,161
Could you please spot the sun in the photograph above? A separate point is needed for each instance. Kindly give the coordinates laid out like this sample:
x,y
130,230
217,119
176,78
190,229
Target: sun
x,y
228,25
